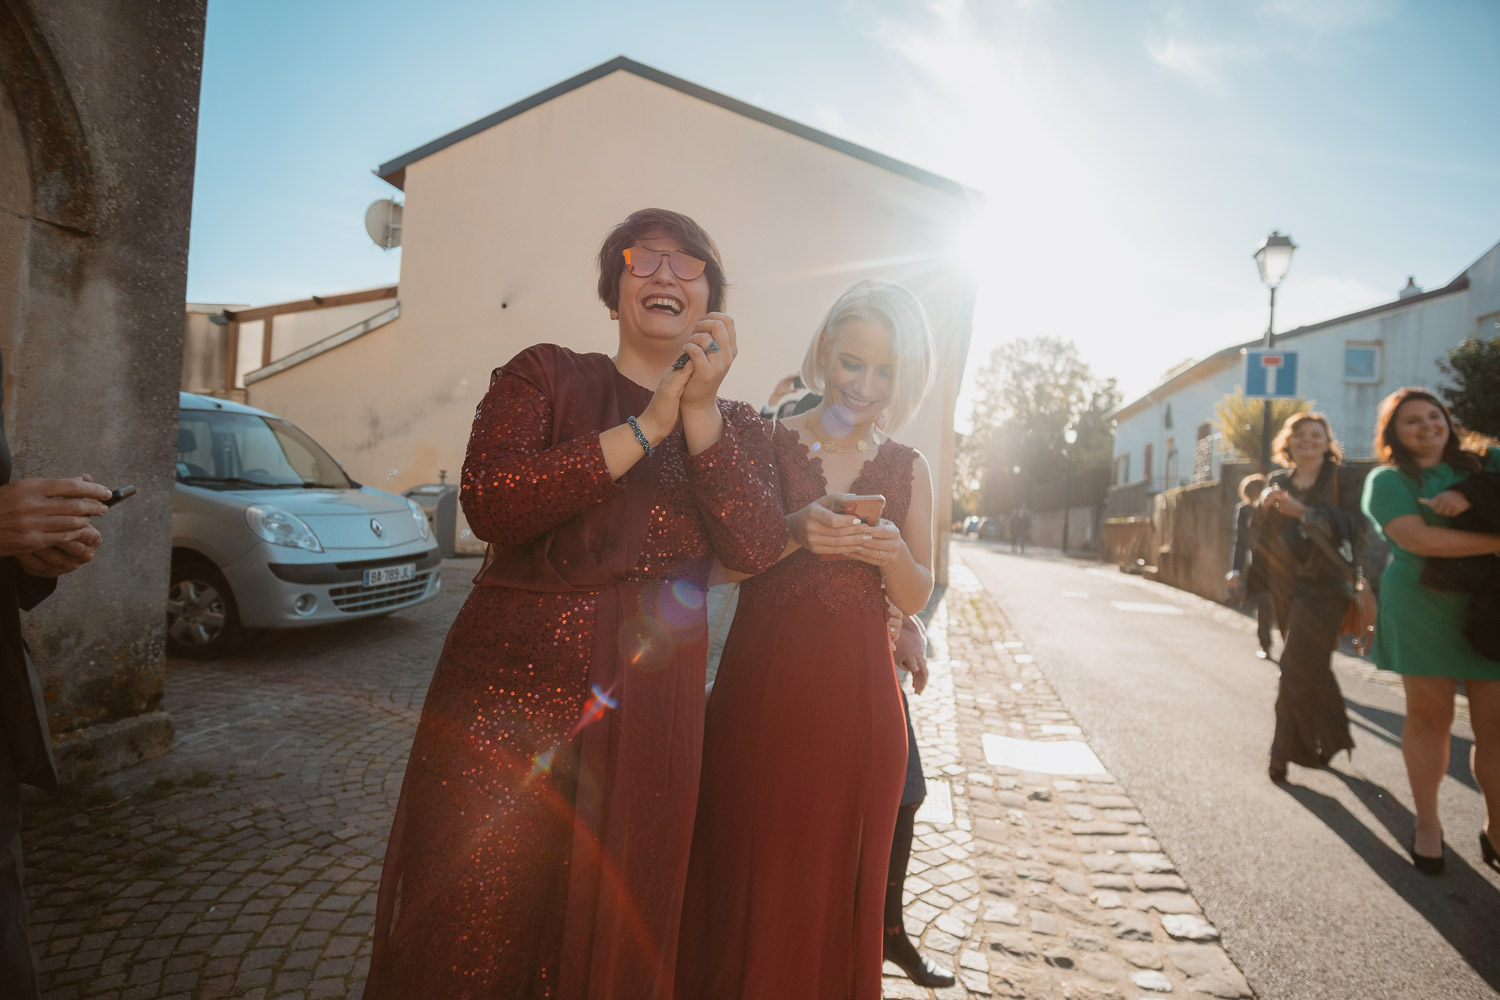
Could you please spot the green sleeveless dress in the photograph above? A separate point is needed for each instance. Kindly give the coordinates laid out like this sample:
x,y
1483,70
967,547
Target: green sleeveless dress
x,y
1420,630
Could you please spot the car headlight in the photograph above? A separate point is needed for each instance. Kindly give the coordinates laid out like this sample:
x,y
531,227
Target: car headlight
x,y
280,527
424,530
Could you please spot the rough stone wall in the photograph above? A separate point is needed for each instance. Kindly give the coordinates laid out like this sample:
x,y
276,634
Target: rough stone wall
x,y
1194,537
105,98
1123,540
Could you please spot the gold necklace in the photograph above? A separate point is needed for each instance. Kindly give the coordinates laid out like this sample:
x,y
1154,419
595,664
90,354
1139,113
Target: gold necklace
x,y
823,444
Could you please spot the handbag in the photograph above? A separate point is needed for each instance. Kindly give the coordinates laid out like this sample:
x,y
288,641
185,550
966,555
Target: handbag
x,y
1359,615
1361,611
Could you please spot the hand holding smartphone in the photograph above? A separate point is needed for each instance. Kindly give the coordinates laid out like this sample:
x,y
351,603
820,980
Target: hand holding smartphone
x,y
121,493
867,507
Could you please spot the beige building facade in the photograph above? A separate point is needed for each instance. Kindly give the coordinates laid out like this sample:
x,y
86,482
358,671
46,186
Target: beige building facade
x,y
503,220
221,343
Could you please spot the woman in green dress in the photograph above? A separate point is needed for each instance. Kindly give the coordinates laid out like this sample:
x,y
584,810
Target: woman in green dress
x,y
1420,633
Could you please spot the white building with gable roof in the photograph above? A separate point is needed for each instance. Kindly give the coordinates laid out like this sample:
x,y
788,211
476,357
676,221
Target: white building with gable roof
x,y
1346,366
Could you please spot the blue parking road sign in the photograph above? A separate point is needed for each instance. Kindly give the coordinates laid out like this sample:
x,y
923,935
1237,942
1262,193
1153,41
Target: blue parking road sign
x,y
1270,374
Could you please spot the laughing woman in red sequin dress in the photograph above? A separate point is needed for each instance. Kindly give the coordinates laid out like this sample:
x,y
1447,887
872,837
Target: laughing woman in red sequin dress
x,y
540,844
805,755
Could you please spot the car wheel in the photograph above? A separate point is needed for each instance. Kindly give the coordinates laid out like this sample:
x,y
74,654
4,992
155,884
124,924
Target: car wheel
x,y
202,622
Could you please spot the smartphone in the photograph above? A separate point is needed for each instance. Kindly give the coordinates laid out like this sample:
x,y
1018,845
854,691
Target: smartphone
x,y
116,495
681,363
866,507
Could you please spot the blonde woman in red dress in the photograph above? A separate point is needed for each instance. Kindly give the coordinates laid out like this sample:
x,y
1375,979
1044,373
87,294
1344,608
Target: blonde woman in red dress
x,y
805,753
540,845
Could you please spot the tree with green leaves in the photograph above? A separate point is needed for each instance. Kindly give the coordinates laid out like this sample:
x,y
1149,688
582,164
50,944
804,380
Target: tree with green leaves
x,y
1474,392
1029,392
1239,420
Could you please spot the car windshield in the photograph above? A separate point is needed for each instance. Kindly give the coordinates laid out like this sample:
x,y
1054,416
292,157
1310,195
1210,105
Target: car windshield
x,y
223,450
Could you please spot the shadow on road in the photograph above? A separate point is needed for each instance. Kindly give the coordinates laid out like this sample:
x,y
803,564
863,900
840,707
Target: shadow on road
x,y
1385,725
1460,904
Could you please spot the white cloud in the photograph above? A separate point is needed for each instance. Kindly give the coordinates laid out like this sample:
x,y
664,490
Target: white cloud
x,y
1205,64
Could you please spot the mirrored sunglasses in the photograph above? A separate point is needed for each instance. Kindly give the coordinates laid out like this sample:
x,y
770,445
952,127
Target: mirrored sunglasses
x,y
644,263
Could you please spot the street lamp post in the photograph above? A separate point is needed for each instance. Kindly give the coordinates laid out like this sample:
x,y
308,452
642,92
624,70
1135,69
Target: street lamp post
x,y
1274,258
1070,436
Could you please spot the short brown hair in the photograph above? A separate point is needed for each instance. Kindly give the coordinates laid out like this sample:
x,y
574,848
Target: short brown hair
x,y
1281,449
1253,486
691,237
1392,452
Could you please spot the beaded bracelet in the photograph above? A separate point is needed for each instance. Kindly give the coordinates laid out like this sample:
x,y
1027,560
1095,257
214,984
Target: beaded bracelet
x,y
641,437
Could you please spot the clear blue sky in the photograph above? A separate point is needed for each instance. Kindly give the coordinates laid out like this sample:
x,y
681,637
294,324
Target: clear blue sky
x,y
1133,153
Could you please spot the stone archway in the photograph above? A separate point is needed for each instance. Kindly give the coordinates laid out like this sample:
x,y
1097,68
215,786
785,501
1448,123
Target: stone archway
x,y
46,171
42,109
15,218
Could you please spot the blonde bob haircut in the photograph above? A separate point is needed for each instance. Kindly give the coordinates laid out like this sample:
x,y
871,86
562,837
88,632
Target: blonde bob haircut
x,y
895,307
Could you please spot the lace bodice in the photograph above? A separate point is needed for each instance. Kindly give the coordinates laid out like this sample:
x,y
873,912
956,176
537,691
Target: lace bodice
x,y
840,584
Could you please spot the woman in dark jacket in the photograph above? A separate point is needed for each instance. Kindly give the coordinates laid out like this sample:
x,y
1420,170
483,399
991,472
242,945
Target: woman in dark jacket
x,y
1309,591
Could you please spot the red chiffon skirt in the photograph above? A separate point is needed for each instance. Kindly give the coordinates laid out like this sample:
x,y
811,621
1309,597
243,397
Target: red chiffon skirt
x,y
803,765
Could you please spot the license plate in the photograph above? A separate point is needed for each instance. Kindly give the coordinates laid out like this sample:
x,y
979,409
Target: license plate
x,y
390,574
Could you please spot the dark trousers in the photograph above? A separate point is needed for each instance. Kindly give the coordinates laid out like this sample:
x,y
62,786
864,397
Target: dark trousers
x,y
906,819
18,971
1311,722
1265,616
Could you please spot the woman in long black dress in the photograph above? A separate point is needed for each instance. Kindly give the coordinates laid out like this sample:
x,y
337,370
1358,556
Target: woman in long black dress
x,y
1309,593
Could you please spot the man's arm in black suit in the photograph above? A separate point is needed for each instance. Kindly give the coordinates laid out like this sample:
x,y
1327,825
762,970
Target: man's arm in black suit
x,y
30,590
1242,536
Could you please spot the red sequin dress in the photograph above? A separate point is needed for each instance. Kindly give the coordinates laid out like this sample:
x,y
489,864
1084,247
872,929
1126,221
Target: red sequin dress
x,y
540,844
803,766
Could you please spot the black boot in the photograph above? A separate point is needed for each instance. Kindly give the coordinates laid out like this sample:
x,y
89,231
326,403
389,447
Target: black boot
x,y
898,947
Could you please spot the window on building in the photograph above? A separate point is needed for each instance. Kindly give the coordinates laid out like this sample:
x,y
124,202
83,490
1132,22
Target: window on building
x,y
1146,462
1361,362
1122,470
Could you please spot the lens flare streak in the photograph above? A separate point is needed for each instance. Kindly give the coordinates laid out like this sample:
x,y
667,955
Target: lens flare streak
x,y
599,702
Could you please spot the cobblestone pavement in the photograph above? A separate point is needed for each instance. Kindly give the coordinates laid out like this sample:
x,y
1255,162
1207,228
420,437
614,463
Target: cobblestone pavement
x,y
245,862
1036,885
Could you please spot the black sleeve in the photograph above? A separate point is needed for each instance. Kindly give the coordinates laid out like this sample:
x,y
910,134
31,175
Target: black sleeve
x,y
30,590
1242,534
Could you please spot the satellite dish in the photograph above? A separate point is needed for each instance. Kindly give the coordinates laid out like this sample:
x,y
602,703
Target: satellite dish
x,y
383,223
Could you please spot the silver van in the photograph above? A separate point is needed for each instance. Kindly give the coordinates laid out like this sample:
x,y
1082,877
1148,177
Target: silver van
x,y
268,532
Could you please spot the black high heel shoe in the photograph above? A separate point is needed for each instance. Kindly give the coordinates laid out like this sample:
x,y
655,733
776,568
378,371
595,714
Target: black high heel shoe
x,y
1425,864
918,967
1487,851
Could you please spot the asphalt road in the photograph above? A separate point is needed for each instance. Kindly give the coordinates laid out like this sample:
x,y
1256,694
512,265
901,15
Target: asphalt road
x,y
1309,883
